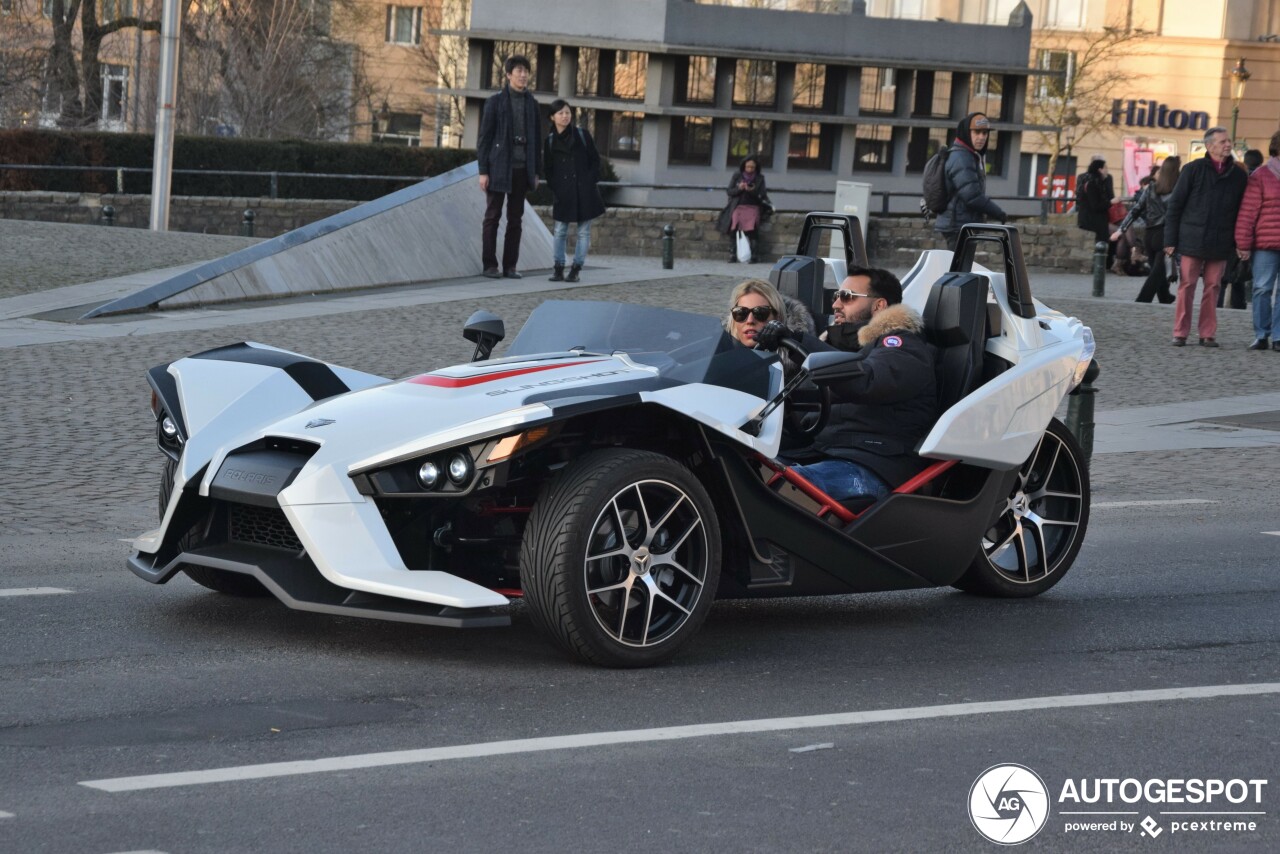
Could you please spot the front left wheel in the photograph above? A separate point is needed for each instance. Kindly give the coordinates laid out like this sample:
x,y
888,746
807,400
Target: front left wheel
x,y
621,558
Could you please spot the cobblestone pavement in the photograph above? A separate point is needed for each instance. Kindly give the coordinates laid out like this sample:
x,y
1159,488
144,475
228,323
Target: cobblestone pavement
x,y
37,256
77,435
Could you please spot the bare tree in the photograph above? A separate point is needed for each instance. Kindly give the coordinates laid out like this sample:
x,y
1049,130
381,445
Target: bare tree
x,y
1092,73
445,59
271,69
23,51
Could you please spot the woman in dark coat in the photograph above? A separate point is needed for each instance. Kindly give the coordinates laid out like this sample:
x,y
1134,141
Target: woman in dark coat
x,y
748,202
573,173
1150,206
1094,197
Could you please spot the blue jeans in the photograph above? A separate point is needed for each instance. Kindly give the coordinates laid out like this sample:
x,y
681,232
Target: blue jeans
x,y
580,250
1266,302
843,479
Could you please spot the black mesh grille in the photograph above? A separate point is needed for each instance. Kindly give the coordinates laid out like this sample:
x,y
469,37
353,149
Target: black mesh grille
x,y
261,526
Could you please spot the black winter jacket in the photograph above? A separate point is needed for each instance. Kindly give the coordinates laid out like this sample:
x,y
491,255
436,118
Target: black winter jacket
x,y
493,147
879,417
573,173
758,195
1094,192
1200,217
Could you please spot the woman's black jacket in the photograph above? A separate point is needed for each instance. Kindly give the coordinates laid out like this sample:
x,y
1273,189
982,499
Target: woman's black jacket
x,y
573,173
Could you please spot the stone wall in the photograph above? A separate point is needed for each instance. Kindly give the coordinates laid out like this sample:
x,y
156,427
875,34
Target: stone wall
x,y
893,242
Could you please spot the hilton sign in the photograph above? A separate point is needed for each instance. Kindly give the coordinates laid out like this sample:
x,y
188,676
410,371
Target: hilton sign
x,y
1152,114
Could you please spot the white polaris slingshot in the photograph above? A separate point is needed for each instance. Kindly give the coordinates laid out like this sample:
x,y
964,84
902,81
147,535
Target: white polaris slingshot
x,y
616,470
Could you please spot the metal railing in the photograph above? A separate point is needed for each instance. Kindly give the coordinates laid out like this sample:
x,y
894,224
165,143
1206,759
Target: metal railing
x,y
899,203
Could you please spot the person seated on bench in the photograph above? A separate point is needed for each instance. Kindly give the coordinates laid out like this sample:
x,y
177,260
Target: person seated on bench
x,y
879,416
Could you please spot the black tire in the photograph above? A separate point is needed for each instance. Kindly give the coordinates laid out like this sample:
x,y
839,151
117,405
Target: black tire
x,y
621,604
231,583
1038,534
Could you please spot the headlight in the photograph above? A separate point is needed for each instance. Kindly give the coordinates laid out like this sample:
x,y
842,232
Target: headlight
x,y
460,468
168,428
1086,357
429,474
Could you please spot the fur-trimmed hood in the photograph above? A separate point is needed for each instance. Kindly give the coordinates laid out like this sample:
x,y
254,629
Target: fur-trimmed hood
x,y
895,318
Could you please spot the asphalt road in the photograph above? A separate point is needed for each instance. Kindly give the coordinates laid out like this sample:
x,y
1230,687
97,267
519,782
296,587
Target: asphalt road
x,y
118,679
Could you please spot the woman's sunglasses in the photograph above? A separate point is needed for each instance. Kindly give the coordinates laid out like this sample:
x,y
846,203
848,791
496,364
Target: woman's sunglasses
x,y
761,313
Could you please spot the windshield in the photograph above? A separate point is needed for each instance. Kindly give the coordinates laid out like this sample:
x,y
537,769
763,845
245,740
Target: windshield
x,y
690,348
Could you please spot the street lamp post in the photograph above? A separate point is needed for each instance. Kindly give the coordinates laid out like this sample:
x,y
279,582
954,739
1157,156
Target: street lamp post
x,y
1239,76
1069,123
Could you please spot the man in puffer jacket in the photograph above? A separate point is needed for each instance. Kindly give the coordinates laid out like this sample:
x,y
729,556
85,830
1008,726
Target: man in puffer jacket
x,y
967,180
879,416
1258,236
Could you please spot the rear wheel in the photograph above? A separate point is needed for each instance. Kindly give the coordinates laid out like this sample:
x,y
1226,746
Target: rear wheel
x,y
231,583
1038,533
621,558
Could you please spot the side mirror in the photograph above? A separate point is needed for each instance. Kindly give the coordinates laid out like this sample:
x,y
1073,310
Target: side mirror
x,y
484,329
832,366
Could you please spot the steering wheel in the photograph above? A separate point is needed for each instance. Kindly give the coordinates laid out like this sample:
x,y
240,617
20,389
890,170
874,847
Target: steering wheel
x,y
799,408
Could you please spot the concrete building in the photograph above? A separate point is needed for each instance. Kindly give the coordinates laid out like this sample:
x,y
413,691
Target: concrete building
x,y
676,92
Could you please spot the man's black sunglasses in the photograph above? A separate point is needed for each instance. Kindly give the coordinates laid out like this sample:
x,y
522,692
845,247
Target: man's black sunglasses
x,y
761,313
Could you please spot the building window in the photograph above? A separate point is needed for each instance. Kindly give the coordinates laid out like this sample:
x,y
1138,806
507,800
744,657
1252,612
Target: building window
x,y
873,149
922,144
690,141
1064,15
115,92
993,155
749,138
878,91
696,81
6,7
502,51
113,10
986,94
812,91
933,94
998,11
588,71
825,7
1061,61
755,83
404,24
912,9
624,133
629,70
810,146
402,129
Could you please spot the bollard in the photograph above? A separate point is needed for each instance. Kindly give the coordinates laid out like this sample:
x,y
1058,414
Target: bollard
x,y
1100,268
108,215
1080,410
668,246
246,225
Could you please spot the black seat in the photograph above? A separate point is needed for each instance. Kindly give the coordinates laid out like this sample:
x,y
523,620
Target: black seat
x,y
955,322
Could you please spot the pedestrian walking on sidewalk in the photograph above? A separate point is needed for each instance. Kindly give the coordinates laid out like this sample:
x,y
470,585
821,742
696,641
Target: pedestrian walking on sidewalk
x,y
1150,205
573,174
1200,224
1258,240
966,177
508,154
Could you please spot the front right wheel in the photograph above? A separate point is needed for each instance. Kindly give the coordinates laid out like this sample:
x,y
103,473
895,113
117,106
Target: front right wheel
x,y
621,557
1036,537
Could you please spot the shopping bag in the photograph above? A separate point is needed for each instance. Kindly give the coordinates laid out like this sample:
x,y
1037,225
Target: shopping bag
x,y
744,248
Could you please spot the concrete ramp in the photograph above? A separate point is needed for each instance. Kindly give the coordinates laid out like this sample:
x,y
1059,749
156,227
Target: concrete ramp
x,y
427,232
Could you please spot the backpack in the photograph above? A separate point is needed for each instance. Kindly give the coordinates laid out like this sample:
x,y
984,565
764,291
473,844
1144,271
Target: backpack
x,y
936,197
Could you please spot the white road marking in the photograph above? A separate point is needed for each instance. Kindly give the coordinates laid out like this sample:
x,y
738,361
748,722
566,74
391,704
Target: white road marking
x,y
1272,533
31,591
636,736
1101,505
4,814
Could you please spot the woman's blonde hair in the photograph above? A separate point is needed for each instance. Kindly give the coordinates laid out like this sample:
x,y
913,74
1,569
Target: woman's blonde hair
x,y
755,286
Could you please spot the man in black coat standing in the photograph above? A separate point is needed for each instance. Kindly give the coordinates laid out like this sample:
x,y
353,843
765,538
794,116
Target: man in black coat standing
x,y
510,159
966,176
1200,224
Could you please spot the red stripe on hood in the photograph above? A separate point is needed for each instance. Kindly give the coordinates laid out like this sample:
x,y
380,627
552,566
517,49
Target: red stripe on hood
x,y
463,382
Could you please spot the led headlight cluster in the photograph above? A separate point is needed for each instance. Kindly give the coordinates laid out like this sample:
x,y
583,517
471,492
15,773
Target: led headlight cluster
x,y
458,467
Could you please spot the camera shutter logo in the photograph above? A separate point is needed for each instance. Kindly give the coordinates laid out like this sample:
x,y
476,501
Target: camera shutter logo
x,y
1008,804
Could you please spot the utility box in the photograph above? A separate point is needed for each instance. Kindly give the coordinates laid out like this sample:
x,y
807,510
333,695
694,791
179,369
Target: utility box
x,y
853,198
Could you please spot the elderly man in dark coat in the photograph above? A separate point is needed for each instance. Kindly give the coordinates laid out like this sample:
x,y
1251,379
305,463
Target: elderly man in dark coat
x,y
1200,224
967,180
509,158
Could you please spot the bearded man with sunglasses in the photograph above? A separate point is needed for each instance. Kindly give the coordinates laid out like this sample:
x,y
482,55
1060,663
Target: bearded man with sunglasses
x,y
881,414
